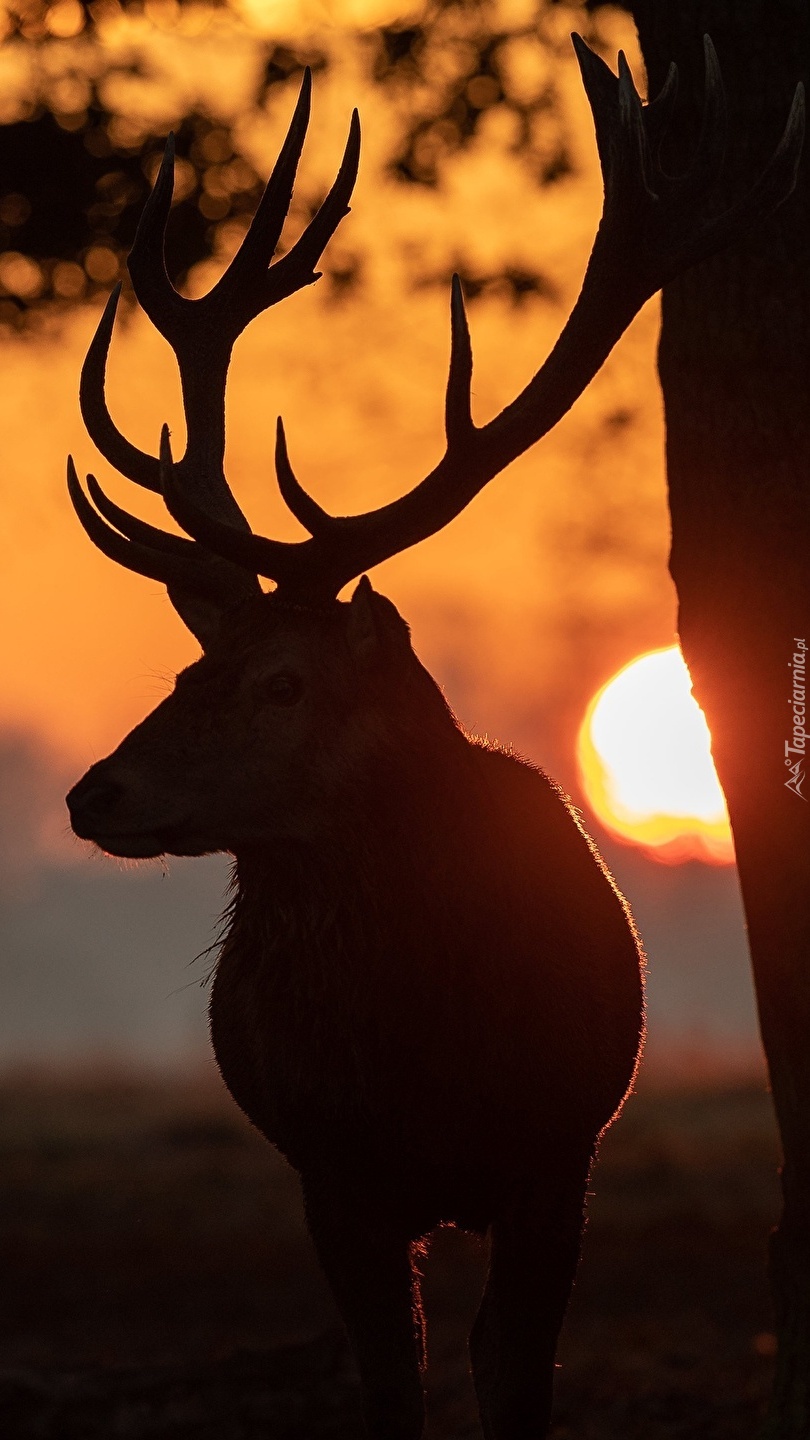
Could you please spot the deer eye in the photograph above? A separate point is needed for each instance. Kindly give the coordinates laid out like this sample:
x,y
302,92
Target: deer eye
x,y
280,689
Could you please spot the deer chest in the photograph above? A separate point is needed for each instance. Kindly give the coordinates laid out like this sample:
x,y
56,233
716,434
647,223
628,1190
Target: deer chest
x,y
295,1047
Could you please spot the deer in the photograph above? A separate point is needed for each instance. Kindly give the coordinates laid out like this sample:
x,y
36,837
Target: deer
x,y
429,992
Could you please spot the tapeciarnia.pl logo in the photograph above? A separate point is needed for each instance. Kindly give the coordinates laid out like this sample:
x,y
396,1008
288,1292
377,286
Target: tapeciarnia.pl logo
x,y
798,749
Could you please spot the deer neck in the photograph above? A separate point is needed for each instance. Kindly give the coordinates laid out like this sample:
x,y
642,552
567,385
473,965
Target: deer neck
x,y
343,892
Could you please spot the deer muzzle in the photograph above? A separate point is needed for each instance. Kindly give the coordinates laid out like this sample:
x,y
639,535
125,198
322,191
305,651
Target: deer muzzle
x,y
108,807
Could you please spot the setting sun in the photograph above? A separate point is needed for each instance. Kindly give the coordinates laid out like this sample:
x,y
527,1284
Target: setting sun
x,y
646,767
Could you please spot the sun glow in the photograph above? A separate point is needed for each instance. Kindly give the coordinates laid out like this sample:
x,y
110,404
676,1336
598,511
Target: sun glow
x,y
644,753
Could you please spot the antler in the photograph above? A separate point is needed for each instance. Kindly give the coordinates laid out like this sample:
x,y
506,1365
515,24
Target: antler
x,y
653,226
202,334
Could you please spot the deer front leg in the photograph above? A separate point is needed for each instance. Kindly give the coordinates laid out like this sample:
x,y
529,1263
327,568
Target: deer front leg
x,y
367,1262
535,1246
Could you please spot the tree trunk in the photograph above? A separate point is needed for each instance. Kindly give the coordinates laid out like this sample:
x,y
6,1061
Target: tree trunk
x,y
734,362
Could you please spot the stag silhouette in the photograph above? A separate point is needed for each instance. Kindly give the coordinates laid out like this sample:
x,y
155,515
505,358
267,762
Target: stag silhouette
x,y
429,994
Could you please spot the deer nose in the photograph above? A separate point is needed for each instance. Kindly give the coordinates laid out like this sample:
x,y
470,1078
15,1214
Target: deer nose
x,y
92,802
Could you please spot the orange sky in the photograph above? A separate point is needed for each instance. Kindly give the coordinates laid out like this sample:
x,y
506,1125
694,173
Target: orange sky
x,y
554,577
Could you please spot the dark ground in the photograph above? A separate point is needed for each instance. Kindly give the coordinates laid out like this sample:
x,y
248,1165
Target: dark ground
x,y
157,1280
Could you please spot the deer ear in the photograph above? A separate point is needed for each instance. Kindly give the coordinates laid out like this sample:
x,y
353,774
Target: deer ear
x,y
199,614
376,630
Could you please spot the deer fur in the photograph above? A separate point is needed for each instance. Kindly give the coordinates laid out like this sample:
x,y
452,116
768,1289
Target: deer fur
x,y
406,1003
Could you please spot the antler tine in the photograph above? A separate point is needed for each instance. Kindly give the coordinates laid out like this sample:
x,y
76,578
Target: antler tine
x,y
629,98
600,86
621,138
147,263
788,153
619,125
306,510
248,286
135,529
259,245
711,149
458,422
632,158
776,183
658,112
779,177
240,547
297,267
170,567
133,463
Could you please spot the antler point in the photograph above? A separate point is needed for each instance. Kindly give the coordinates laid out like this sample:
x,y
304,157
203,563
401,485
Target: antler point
x,y
457,307
105,325
711,61
95,490
166,457
304,101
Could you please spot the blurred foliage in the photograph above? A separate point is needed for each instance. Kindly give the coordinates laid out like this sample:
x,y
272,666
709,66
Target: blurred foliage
x,y
75,171
80,145
459,70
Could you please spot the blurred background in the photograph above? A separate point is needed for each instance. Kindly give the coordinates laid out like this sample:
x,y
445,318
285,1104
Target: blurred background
x,y
478,156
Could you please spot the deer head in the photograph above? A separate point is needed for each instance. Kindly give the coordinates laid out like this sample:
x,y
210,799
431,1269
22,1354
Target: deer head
x,y
261,733
291,716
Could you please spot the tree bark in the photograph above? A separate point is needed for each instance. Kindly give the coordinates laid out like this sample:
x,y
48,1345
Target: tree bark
x,y
734,362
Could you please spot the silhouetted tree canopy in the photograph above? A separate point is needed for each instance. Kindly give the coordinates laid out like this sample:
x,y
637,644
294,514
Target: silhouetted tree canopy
x,y
75,168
